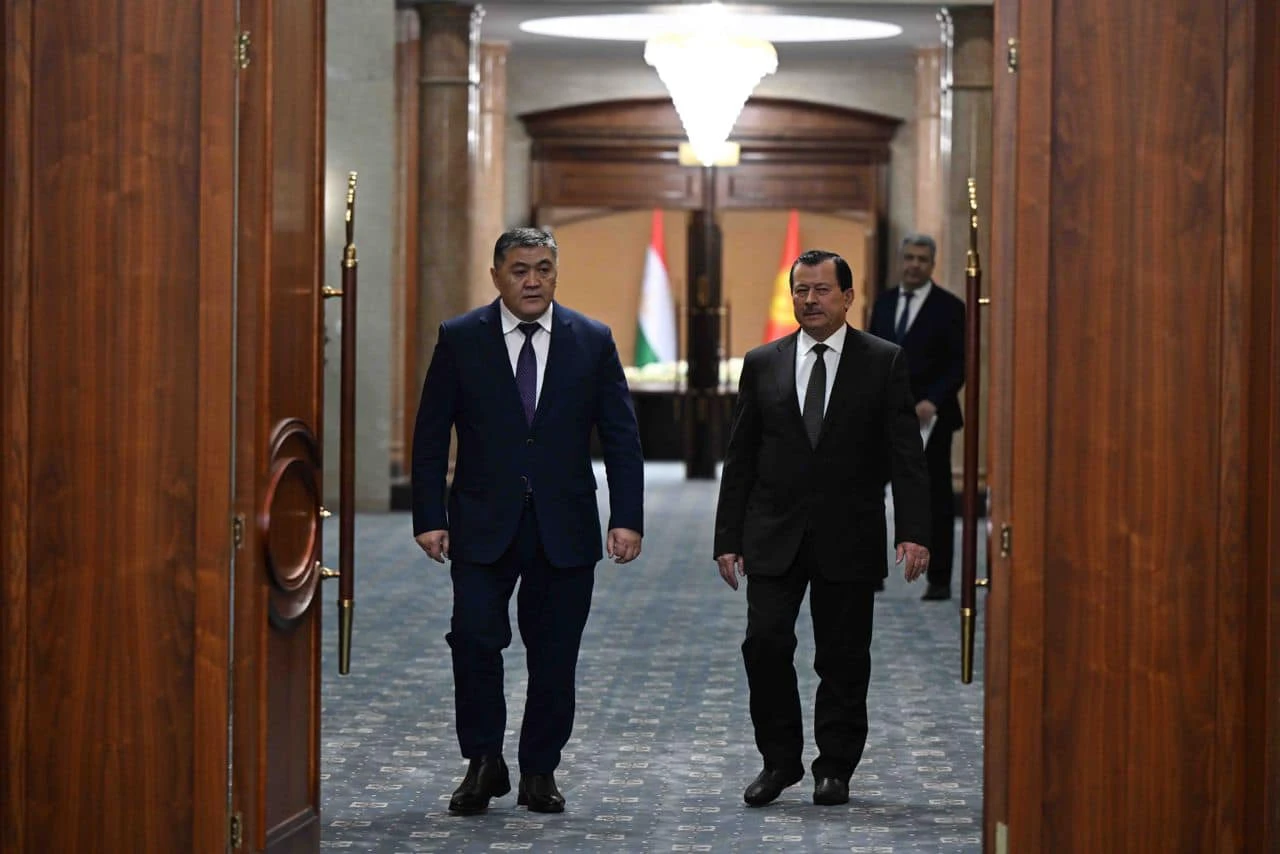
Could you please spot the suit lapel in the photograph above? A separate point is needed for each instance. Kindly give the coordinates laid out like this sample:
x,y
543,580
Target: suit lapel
x,y
559,360
495,352
846,372
784,377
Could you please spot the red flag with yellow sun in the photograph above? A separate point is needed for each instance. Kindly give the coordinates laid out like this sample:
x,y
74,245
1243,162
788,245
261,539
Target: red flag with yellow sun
x,y
782,319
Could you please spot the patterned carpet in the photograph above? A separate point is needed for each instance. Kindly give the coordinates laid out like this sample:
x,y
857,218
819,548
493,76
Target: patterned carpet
x,y
662,748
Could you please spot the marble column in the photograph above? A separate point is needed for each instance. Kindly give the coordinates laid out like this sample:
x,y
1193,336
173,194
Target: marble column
x,y
930,184
971,69
971,108
359,104
488,182
448,103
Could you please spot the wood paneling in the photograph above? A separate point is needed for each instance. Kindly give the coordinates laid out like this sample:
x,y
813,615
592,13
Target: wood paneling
x,y
810,186
118,153
1259,243
15,384
279,378
1001,266
619,185
1140,327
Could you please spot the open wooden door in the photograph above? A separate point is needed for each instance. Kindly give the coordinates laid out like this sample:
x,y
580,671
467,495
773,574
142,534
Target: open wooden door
x,y
1134,623
279,397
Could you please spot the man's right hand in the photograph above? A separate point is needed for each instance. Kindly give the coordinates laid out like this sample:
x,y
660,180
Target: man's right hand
x,y
435,544
731,566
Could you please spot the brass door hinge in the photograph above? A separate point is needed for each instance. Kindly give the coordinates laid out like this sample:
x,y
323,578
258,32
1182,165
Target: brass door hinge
x,y
1006,539
235,831
237,531
1011,57
243,43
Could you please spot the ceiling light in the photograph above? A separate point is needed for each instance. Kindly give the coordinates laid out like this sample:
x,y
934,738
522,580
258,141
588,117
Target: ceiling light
x,y
767,26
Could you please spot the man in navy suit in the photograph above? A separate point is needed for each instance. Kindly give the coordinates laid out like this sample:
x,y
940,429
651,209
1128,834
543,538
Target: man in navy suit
x,y
523,381
824,417
928,323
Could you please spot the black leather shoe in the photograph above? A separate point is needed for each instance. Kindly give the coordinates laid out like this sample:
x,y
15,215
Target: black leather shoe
x,y
769,784
936,593
538,792
830,792
487,777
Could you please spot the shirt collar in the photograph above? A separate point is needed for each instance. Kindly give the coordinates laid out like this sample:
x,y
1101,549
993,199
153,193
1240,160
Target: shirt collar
x,y
510,321
805,342
921,292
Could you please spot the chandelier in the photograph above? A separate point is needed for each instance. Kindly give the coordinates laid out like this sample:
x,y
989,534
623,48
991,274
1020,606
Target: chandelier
x,y
710,72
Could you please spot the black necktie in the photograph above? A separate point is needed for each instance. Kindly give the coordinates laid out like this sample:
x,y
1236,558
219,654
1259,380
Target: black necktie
x,y
901,332
527,372
815,395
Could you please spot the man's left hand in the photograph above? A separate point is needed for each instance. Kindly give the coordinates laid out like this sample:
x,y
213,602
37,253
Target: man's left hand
x,y
916,559
926,411
623,545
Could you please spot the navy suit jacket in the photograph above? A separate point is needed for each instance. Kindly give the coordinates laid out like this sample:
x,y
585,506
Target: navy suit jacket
x,y
470,387
934,348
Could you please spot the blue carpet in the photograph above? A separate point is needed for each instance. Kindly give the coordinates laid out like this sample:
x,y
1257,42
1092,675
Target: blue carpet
x,y
662,747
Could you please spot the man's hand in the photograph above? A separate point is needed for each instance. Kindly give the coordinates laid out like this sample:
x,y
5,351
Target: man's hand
x,y
925,411
916,558
623,545
731,566
435,544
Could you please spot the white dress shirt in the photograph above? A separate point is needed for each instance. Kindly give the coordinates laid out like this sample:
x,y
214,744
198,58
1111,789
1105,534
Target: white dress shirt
x,y
917,299
514,339
805,358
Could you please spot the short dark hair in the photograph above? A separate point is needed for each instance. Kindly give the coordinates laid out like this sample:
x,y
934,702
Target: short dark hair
x,y
522,236
814,257
915,239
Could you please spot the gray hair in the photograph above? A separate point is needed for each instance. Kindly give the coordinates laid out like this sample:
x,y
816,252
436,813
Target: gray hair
x,y
924,240
524,237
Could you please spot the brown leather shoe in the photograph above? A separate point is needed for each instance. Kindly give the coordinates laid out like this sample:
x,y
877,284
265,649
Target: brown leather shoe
x,y
538,792
487,777
768,784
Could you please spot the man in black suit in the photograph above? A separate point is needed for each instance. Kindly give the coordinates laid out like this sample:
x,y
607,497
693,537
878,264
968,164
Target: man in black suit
x,y
824,417
928,323
523,381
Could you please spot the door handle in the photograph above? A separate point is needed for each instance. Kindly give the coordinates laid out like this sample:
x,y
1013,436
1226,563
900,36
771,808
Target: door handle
x,y
969,582
346,573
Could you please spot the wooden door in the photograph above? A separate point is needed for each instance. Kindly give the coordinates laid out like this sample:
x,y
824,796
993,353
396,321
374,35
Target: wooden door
x,y
279,393
1133,644
117,267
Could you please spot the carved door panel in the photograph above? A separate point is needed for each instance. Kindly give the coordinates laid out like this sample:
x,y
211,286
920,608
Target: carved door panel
x,y
279,375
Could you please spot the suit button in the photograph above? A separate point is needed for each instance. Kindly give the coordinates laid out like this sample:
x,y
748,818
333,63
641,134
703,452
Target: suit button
x,y
528,441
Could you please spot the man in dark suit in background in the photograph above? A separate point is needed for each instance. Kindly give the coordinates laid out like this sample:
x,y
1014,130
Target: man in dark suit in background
x,y
928,323
523,381
824,417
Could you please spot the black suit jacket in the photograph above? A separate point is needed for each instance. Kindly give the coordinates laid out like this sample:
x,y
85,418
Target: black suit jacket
x,y
775,487
470,387
934,346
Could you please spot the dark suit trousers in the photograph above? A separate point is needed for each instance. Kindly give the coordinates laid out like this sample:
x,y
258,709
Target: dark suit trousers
x,y
841,612
942,507
551,610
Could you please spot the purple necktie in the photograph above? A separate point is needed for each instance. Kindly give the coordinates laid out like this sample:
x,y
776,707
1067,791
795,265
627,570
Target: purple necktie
x,y
527,372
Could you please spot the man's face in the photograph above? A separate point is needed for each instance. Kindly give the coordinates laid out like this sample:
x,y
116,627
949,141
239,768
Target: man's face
x,y
526,280
917,266
819,304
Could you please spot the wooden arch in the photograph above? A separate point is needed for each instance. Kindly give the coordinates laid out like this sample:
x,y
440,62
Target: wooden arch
x,y
617,155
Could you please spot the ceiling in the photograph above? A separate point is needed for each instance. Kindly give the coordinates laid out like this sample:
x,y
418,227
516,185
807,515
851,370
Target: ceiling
x,y
918,19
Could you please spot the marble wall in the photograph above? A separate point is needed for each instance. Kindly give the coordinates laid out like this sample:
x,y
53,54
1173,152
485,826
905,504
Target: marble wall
x,y
359,127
